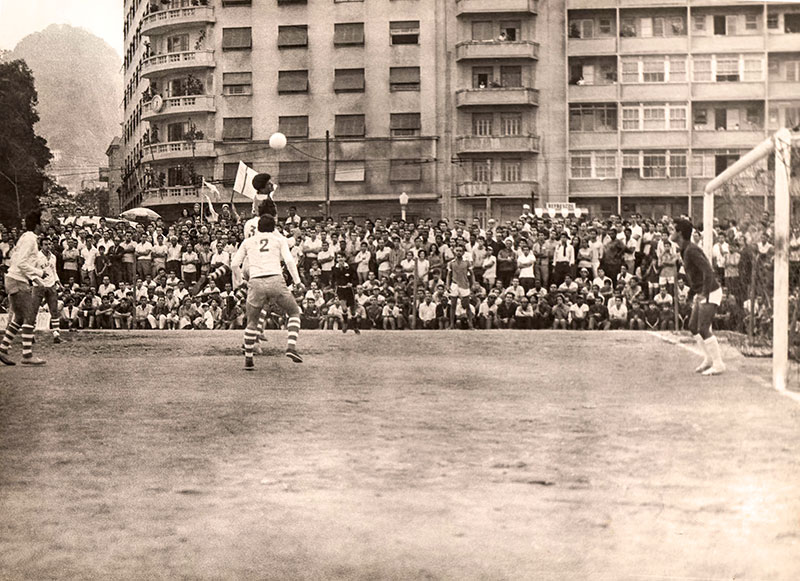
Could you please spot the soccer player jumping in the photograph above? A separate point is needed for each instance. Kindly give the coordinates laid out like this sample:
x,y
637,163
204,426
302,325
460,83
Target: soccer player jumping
x,y
707,297
23,273
264,253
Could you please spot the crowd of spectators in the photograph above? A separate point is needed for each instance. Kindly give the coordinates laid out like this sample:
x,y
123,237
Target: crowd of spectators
x,y
530,273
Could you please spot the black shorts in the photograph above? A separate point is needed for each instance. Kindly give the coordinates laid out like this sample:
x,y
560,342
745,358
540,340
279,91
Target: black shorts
x,y
345,293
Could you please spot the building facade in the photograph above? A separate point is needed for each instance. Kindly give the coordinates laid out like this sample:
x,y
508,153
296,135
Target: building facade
x,y
664,96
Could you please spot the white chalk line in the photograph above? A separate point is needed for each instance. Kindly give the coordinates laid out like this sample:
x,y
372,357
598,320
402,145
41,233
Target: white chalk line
x,y
760,380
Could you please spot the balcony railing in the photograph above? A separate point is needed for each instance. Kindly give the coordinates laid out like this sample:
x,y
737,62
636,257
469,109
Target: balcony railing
x,y
166,20
498,189
744,138
170,195
484,6
497,96
495,49
487,143
193,59
178,106
178,149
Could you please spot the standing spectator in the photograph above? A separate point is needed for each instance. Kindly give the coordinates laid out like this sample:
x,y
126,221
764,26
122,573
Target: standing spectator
x,y
526,261
89,263
563,259
362,259
459,282
506,262
189,261
159,255
70,258
327,260
128,248
144,257
174,256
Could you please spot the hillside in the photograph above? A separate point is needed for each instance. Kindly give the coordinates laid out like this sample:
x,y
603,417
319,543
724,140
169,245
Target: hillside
x,y
79,81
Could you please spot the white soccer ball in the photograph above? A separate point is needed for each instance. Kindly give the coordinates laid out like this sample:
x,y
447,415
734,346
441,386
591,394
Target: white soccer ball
x,y
277,141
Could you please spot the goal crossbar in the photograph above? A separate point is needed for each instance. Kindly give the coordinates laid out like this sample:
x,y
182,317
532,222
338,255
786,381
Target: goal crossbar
x,y
780,144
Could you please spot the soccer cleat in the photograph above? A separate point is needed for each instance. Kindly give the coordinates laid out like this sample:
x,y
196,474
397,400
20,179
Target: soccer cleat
x,y
714,370
703,366
292,354
357,330
248,364
32,361
56,339
5,359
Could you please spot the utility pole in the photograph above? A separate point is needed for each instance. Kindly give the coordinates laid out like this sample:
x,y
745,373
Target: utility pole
x,y
327,174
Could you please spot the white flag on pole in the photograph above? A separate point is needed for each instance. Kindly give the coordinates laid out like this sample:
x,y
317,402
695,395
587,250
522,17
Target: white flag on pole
x,y
244,181
214,190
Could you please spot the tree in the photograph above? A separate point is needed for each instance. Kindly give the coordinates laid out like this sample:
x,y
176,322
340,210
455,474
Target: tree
x,y
93,201
23,154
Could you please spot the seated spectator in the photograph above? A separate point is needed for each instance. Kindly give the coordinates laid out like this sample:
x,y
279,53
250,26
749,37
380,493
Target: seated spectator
x,y
506,312
560,313
618,314
141,318
334,319
104,313
123,314
652,316
542,318
69,315
597,315
636,317
663,301
523,317
426,313
310,317
578,314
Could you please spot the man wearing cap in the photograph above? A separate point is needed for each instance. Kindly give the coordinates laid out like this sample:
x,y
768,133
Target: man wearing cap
x,y
526,212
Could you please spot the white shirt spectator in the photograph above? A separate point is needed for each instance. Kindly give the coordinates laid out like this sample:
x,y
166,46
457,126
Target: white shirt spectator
x,y
106,289
427,311
618,312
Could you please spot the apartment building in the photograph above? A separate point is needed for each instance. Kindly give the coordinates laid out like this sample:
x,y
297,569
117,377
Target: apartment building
x,y
434,98
664,96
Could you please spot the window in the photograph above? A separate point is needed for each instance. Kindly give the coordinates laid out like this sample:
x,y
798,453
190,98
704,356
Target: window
x,y
292,81
792,71
482,30
511,76
604,27
791,23
752,69
654,117
405,170
630,70
677,70
677,165
701,69
645,27
177,131
236,38
237,83
351,33
237,128
591,117
481,77
481,171
236,2
293,172
229,171
654,165
653,70
772,21
630,118
404,31
178,43
699,23
700,117
753,117
751,22
404,79
511,170
293,126
350,126
580,166
605,165
291,2
727,70
404,124
677,117
349,171
292,36
511,29
581,28
511,124
720,25
348,81
482,124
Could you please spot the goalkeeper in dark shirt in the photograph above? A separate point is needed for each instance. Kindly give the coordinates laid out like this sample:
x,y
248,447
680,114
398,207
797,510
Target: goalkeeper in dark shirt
x,y
707,295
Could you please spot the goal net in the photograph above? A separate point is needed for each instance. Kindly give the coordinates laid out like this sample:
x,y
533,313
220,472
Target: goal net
x,y
751,231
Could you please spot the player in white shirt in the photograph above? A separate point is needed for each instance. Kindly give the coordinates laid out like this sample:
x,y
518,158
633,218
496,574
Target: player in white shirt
x,y
265,252
48,291
23,273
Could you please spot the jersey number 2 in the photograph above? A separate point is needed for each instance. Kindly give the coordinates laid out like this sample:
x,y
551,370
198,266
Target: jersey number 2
x,y
264,245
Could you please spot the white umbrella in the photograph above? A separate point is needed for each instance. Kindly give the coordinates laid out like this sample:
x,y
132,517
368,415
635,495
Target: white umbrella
x,y
141,213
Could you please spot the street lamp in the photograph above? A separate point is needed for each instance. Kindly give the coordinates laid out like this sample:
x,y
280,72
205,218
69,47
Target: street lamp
x,y
403,204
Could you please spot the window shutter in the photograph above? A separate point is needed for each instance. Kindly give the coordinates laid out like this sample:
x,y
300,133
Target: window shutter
x,y
289,36
237,128
348,33
405,121
236,38
295,126
348,80
293,172
293,81
350,126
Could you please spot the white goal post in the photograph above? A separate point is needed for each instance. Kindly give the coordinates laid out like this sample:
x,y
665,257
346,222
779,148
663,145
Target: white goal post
x,y
781,145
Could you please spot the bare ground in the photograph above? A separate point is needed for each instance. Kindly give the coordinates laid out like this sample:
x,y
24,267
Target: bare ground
x,y
486,455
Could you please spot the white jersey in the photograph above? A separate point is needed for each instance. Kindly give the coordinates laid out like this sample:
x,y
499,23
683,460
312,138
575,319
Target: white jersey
x,y
48,266
251,227
264,252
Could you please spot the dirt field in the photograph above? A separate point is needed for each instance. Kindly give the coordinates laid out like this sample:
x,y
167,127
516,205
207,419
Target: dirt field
x,y
485,455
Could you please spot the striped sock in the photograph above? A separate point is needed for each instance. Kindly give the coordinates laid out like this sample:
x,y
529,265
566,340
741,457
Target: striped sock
x,y
262,320
11,331
27,340
293,327
54,326
219,273
249,340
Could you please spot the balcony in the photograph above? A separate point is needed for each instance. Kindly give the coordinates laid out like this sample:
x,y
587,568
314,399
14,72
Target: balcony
x,y
509,143
496,6
178,150
165,21
591,46
490,49
518,96
783,42
497,189
178,106
655,187
171,195
593,140
784,90
710,44
728,91
726,139
649,139
593,188
592,93
655,92
178,61
670,44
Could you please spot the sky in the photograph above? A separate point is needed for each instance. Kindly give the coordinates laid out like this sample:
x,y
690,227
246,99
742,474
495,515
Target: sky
x,y
19,18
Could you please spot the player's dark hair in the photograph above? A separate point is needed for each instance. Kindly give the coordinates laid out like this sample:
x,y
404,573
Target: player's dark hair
x,y
261,180
684,227
267,207
33,219
266,223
